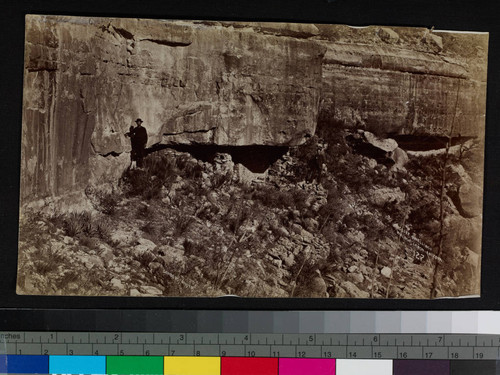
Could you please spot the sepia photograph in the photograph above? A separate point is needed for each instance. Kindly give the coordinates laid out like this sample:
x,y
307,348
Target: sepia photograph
x,y
184,158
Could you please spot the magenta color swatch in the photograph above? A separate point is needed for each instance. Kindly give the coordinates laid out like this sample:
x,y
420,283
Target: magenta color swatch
x,y
306,366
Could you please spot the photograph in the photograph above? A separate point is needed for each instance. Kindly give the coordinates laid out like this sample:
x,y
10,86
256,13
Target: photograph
x,y
205,158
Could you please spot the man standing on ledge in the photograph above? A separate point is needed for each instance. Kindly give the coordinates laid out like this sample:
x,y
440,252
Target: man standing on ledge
x,y
138,139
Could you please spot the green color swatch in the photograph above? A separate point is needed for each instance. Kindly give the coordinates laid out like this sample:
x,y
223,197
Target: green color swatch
x,y
126,365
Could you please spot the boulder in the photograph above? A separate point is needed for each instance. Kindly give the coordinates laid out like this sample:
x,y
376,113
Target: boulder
x,y
464,232
435,41
155,267
105,253
135,293
383,195
245,175
471,199
399,157
144,245
470,272
372,163
117,284
376,149
386,272
288,259
123,237
458,174
387,145
388,35
92,261
314,287
352,269
150,290
356,277
355,236
351,290
172,256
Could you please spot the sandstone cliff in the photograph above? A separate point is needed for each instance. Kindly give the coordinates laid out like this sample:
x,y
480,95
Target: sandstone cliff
x,y
416,84
225,84
86,81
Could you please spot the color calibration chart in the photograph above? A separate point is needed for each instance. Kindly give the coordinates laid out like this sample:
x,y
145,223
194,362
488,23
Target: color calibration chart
x,y
205,342
245,354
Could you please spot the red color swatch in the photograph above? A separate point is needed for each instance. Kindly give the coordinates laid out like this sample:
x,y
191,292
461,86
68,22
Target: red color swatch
x,y
249,366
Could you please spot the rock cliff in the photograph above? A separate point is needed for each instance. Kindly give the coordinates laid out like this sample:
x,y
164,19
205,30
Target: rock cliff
x,y
393,90
223,84
87,80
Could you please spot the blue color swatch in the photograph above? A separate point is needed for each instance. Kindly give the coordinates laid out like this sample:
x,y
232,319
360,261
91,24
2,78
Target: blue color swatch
x,y
24,364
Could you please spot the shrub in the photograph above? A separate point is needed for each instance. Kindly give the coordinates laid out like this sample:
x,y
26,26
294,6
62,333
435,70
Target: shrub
x,y
103,199
272,197
192,171
182,223
217,180
350,221
331,232
46,260
77,223
145,211
161,165
194,248
149,228
153,190
235,220
67,278
89,242
159,170
103,230
207,212
145,258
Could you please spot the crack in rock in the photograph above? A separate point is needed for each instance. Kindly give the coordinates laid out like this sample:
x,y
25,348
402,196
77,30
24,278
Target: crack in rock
x,y
169,43
111,153
191,131
124,33
42,69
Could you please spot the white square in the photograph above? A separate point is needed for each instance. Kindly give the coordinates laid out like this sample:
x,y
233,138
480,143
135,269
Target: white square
x,y
363,367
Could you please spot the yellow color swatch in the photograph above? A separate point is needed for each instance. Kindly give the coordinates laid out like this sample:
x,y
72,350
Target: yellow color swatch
x,y
192,365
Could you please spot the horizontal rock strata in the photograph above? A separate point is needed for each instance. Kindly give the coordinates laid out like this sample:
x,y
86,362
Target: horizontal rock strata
x,y
227,84
87,80
391,90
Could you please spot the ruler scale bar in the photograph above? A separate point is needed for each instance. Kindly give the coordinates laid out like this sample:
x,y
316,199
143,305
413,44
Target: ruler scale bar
x,y
314,345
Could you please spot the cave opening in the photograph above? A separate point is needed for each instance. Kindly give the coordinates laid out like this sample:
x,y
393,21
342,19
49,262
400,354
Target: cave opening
x,y
410,142
256,158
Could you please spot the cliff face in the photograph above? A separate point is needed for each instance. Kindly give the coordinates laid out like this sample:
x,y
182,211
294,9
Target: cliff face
x,y
223,84
86,81
393,90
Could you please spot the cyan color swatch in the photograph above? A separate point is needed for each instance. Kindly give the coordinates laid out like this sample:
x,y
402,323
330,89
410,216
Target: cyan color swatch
x,y
77,364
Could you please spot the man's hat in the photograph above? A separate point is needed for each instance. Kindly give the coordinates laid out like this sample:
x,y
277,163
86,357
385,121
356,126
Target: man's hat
x,y
139,121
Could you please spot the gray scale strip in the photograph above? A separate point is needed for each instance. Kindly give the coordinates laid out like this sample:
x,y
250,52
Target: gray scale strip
x,y
303,345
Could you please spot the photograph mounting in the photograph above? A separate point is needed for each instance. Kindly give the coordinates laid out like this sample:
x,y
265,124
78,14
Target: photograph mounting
x,y
204,158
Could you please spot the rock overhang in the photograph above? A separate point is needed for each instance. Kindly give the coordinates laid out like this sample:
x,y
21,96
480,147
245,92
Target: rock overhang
x,y
224,84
